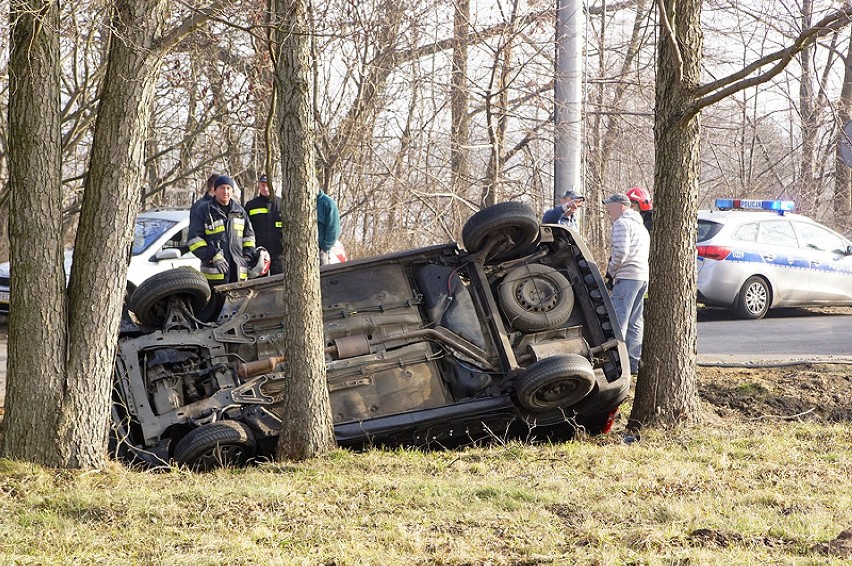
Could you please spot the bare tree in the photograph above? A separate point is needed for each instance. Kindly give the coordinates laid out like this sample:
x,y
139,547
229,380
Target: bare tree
x,y
38,343
666,392
306,431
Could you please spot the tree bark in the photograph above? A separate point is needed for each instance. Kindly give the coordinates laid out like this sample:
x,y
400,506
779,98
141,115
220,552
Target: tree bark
x,y
107,217
306,431
460,97
666,392
37,320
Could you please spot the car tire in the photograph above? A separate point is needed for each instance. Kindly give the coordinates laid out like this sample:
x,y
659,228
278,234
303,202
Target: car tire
x,y
754,298
555,382
515,219
150,300
216,445
536,297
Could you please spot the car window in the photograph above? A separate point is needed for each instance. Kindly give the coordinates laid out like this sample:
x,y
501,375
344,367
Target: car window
x,y
147,231
178,241
777,233
707,229
747,232
818,238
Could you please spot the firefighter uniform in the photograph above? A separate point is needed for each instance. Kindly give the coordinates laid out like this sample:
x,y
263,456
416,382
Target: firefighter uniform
x,y
265,215
222,237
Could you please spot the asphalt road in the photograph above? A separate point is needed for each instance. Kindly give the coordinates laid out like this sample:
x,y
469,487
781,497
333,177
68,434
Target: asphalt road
x,y
784,335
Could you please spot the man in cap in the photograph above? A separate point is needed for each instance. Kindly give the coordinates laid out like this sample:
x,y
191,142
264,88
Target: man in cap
x,y
221,235
265,214
628,267
566,212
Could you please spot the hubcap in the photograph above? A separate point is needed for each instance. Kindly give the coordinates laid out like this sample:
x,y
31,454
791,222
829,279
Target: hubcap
x,y
756,298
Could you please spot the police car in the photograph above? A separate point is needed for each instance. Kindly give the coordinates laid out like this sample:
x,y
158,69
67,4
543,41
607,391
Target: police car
x,y
754,255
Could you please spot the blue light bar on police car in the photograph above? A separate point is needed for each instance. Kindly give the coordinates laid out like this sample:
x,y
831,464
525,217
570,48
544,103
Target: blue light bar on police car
x,y
780,206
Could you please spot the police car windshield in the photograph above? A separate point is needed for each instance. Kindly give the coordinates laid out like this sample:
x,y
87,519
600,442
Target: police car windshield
x,y
707,229
147,231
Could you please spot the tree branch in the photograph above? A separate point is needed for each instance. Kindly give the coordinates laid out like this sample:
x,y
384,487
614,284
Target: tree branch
x,y
195,21
722,88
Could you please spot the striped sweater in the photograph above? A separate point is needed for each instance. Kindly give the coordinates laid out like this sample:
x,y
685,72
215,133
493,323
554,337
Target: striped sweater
x,y
630,247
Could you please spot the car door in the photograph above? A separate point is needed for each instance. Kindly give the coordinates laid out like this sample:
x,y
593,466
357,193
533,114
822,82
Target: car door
x,y
830,264
786,264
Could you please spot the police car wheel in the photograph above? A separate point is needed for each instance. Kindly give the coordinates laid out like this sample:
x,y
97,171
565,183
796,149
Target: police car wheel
x,y
512,222
536,297
555,382
754,298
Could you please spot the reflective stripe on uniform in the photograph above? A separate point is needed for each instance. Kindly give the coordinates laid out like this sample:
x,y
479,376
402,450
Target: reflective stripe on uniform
x,y
216,228
215,276
248,242
239,226
196,243
254,211
279,224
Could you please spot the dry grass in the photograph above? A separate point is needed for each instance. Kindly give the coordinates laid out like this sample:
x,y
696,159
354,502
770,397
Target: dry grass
x,y
738,494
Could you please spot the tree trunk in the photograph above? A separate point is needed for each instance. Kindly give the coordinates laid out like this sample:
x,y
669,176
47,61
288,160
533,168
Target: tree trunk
x,y
37,320
460,123
843,178
306,431
666,392
107,217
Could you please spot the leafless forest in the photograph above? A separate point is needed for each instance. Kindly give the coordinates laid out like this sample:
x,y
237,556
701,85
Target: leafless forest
x,y
427,110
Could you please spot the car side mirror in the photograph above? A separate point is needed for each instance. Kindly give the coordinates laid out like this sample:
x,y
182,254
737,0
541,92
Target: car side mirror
x,y
848,250
168,253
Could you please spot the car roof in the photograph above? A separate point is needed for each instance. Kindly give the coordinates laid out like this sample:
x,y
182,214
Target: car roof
x,y
730,216
175,214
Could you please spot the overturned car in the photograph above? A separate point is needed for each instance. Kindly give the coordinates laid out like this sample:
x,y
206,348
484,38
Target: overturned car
x,y
440,346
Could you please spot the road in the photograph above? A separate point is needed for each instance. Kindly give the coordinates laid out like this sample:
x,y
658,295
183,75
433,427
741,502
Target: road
x,y
784,335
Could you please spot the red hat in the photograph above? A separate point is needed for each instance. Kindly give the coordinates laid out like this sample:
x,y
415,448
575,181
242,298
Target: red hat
x,y
641,197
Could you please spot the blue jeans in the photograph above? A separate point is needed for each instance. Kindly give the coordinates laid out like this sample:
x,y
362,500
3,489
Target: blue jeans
x,y
628,300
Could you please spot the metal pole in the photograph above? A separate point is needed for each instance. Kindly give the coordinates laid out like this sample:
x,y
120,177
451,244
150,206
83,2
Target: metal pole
x,y
568,98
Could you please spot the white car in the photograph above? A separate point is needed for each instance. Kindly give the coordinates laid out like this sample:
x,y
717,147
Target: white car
x,y
159,243
754,255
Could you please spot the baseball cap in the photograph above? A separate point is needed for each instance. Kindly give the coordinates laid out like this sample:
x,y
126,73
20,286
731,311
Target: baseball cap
x,y
619,198
573,195
262,179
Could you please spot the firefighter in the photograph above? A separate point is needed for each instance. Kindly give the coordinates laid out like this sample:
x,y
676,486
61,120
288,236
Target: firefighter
x,y
265,214
221,236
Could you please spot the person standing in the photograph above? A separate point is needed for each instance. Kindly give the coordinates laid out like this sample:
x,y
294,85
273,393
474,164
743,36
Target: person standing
x,y
221,235
265,214
641,200
566,212
328,224
628,267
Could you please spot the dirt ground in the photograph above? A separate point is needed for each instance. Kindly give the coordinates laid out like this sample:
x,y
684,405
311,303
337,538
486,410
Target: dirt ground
x,y
817,392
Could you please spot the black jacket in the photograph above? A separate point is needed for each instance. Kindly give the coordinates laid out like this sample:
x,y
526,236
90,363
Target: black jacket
x,y
265,215
219,232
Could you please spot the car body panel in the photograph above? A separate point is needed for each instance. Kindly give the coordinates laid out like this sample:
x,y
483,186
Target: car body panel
x,y
775,248
417,351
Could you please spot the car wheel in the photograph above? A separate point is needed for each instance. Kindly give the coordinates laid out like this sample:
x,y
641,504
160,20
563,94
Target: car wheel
x,y
513,219
536,297
558,381
216,445
754,299
150,300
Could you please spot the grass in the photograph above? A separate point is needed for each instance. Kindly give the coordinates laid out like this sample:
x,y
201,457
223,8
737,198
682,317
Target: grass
x,y
731,494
